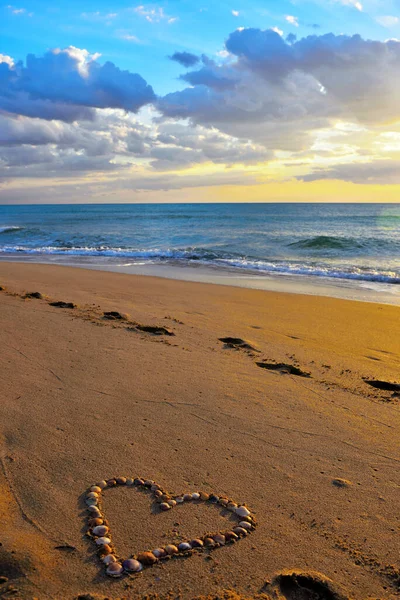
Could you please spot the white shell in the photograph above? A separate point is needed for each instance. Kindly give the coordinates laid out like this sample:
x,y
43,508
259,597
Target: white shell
x,y
94,510
158,552
102,541
184,546
245,525
242,511
110,558
91,501
114,569
132,565
196,496
179,500
100,530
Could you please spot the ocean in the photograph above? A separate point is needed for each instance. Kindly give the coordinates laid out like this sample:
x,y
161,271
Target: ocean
x,y
347,246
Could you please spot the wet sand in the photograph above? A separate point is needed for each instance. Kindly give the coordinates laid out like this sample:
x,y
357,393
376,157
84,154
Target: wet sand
x,y
284,422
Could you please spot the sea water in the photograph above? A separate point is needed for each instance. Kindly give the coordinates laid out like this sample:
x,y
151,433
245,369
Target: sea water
x,y
341,245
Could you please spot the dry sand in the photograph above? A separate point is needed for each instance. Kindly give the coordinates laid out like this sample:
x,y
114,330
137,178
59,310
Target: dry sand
x,y
84,398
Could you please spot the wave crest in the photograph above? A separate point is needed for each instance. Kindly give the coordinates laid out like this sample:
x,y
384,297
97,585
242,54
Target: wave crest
x,y
326,242
9,228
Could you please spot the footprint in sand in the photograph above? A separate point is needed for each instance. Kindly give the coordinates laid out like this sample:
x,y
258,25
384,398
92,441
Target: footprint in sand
x,y
36,295
61,304
383,385
303,585
154,329
283,368
237,344
113,315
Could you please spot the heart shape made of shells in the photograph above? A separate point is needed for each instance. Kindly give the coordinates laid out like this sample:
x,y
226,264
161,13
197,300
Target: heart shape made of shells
x,y
116,566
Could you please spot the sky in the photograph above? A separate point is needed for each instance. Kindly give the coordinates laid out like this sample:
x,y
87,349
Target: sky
x,y
200,101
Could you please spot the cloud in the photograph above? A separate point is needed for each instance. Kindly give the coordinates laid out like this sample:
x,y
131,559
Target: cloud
x,y
154,14
18,11
388,21
67,84
355,3
292,20
128,37
186,59
6,59
277,30
308,82
382,172
98,16
235,13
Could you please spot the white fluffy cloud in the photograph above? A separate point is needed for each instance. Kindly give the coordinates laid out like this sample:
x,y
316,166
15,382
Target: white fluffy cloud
x,y
292,20
67,84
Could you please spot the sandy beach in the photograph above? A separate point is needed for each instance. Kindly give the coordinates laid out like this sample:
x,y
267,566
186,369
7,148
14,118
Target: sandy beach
x,y
281,418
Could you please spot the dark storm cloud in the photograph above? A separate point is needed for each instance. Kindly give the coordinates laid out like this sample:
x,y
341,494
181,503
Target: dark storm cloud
x,y
186,59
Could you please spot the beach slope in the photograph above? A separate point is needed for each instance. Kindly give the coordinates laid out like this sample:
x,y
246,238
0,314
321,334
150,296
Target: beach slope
x,y
284,402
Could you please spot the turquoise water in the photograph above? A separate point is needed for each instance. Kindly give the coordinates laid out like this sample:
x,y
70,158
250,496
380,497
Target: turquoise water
x,y
359,242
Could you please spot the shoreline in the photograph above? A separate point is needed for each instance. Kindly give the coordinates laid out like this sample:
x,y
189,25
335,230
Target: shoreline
x,y
285,422
345,289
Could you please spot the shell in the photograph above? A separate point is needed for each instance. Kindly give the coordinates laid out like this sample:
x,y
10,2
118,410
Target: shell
x,y
146,558
242,511
223,501
232,506
158,493
155,487
240,531
91,501
148,483
109,558
129,481
209,542
94,510
111,483
179,500
197,543
171,549
95,522
245,525
184,547
204,496
121,480
196,496
100,530
103,541
104,550
231,536
101,485
159,552
114,569
220,539
92,495
163,498
138,481
165,506
96,488
213,498
132,566
187,497
172,503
